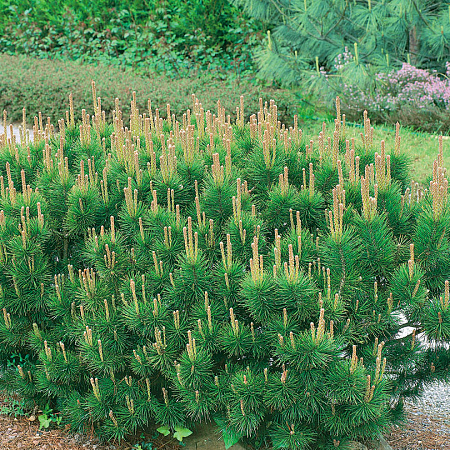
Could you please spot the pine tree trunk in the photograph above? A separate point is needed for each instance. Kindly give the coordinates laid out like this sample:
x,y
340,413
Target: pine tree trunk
x,y
413,45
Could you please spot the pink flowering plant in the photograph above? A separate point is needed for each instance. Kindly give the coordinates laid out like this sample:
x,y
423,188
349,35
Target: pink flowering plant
x,y
413,87
416,97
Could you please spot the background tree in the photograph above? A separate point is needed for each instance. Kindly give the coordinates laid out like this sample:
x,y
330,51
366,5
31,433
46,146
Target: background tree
x,y
310,34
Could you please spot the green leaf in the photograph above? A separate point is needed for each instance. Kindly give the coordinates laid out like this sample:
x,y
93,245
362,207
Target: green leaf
x,y
229,436
181,433
163,430
44,421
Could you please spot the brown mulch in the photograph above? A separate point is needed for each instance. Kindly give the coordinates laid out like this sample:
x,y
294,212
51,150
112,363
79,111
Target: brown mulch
x,y
22,432
422,431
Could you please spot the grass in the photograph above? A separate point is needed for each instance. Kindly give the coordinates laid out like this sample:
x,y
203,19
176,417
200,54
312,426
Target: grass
x,y
422,148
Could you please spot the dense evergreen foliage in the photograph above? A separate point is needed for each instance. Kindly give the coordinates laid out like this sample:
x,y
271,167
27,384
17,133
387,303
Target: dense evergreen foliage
x,y
180,269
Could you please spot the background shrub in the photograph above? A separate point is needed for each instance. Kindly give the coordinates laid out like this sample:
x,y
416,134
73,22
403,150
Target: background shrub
x,y
414,97
43,86
356,43
172,37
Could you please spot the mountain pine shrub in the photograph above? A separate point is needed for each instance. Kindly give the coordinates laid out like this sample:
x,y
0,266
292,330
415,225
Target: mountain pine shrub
x,y
173,270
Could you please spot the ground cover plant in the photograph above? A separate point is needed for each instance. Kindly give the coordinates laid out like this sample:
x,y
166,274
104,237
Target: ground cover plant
x,y
175,269
172,37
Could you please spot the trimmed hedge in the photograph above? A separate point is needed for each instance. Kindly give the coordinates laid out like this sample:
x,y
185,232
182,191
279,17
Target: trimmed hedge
x,y
44,86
